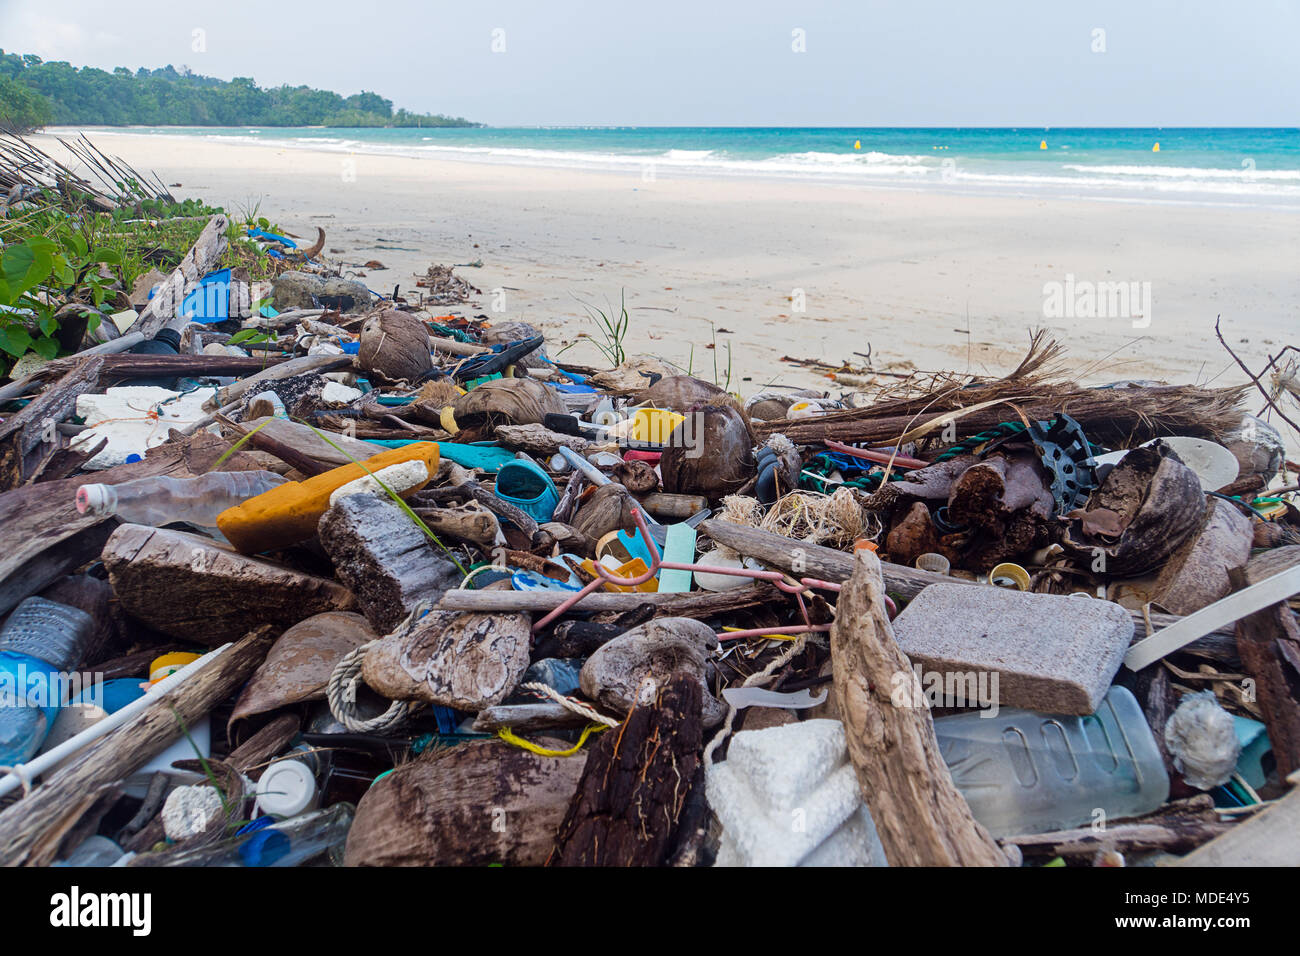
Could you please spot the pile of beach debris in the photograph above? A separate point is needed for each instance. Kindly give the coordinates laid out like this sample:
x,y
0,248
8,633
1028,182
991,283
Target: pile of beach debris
x,y
417,593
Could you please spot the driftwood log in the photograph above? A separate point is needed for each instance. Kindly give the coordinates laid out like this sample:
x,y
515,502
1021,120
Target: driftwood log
x,y
812,560
628,804
45,537
383,558
1175,828
28,439
465,661
1268,643
692,604
207,249
922,818
1267,839
190,587
32,829
527,718
540,440
470,522
480,804
329,450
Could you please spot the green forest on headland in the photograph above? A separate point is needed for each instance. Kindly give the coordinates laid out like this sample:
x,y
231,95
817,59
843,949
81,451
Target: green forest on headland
x,y
34,93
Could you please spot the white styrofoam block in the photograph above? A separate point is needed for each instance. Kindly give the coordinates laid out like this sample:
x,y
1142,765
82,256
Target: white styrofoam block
x,y
134,419
401,477
336,393
788,796
188,811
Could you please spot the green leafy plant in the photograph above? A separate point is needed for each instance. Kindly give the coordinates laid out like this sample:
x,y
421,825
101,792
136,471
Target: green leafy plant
x,y
612,326
35,274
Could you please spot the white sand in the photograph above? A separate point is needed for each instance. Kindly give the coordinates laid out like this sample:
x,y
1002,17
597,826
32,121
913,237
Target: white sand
x,y
903,273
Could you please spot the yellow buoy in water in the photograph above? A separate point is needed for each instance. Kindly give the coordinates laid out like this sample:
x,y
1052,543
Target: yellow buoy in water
x,y
857,144
1043,145
1155,148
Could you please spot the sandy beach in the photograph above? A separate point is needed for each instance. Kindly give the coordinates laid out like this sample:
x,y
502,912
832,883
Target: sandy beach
x,y
937,279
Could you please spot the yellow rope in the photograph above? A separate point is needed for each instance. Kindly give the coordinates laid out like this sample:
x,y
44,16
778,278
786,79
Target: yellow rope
x,y
505,734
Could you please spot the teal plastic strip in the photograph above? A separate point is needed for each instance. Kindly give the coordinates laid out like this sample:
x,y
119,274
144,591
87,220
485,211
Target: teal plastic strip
x,y
679,548
487,457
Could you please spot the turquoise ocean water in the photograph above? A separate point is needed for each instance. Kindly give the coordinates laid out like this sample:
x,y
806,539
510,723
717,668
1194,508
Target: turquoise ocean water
x,y
1218,166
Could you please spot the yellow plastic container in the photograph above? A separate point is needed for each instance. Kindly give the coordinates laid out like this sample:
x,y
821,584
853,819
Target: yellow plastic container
x,y
655,424
289,513
631,569
168,664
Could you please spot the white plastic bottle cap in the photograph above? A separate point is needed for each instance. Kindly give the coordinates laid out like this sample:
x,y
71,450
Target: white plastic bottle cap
x,y
96,499
286,789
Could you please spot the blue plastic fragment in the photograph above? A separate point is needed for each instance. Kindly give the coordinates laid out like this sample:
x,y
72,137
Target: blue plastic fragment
x,y
210,300
272,237
264,847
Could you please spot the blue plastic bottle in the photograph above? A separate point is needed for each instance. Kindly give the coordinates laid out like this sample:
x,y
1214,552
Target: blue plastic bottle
x,y
41,643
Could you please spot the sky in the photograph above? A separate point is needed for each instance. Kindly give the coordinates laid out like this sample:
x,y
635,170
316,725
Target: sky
x,y
721,63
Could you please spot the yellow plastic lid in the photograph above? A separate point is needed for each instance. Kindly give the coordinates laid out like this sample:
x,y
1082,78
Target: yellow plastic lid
x,y
169,664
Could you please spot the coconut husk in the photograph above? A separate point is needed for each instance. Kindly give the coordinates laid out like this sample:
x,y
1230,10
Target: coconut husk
x,y
507,401
432,399
608,509
637,476
394,345
506,332
710,454
679,392
1155,502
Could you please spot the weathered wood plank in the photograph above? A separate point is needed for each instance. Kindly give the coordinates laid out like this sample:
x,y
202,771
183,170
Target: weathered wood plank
x,y
30,830
921,816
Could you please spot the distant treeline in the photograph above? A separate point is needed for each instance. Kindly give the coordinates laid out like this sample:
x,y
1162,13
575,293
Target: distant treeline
x,y
34,93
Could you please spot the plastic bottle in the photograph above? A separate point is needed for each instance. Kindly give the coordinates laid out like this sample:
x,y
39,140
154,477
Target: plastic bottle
x,y
161,500
266,843
41,642
1024,772
288,786
290,513
561,673
94,851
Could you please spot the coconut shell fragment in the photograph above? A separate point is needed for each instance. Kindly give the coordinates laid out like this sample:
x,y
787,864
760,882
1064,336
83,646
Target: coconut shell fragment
x,y
1155,501
299,664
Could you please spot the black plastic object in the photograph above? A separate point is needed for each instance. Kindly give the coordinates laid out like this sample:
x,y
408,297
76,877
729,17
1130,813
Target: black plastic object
x,y
765,487
571,425
940,520
166,342
489,363
1064,451
568,425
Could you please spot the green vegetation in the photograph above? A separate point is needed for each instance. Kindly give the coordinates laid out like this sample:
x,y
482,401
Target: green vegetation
x,y
612,327
34,93
21,108
64,264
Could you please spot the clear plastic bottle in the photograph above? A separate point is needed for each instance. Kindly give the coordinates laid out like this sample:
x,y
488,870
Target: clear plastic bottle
x,y
161,500
561,673
289,843
1024,772
41,643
